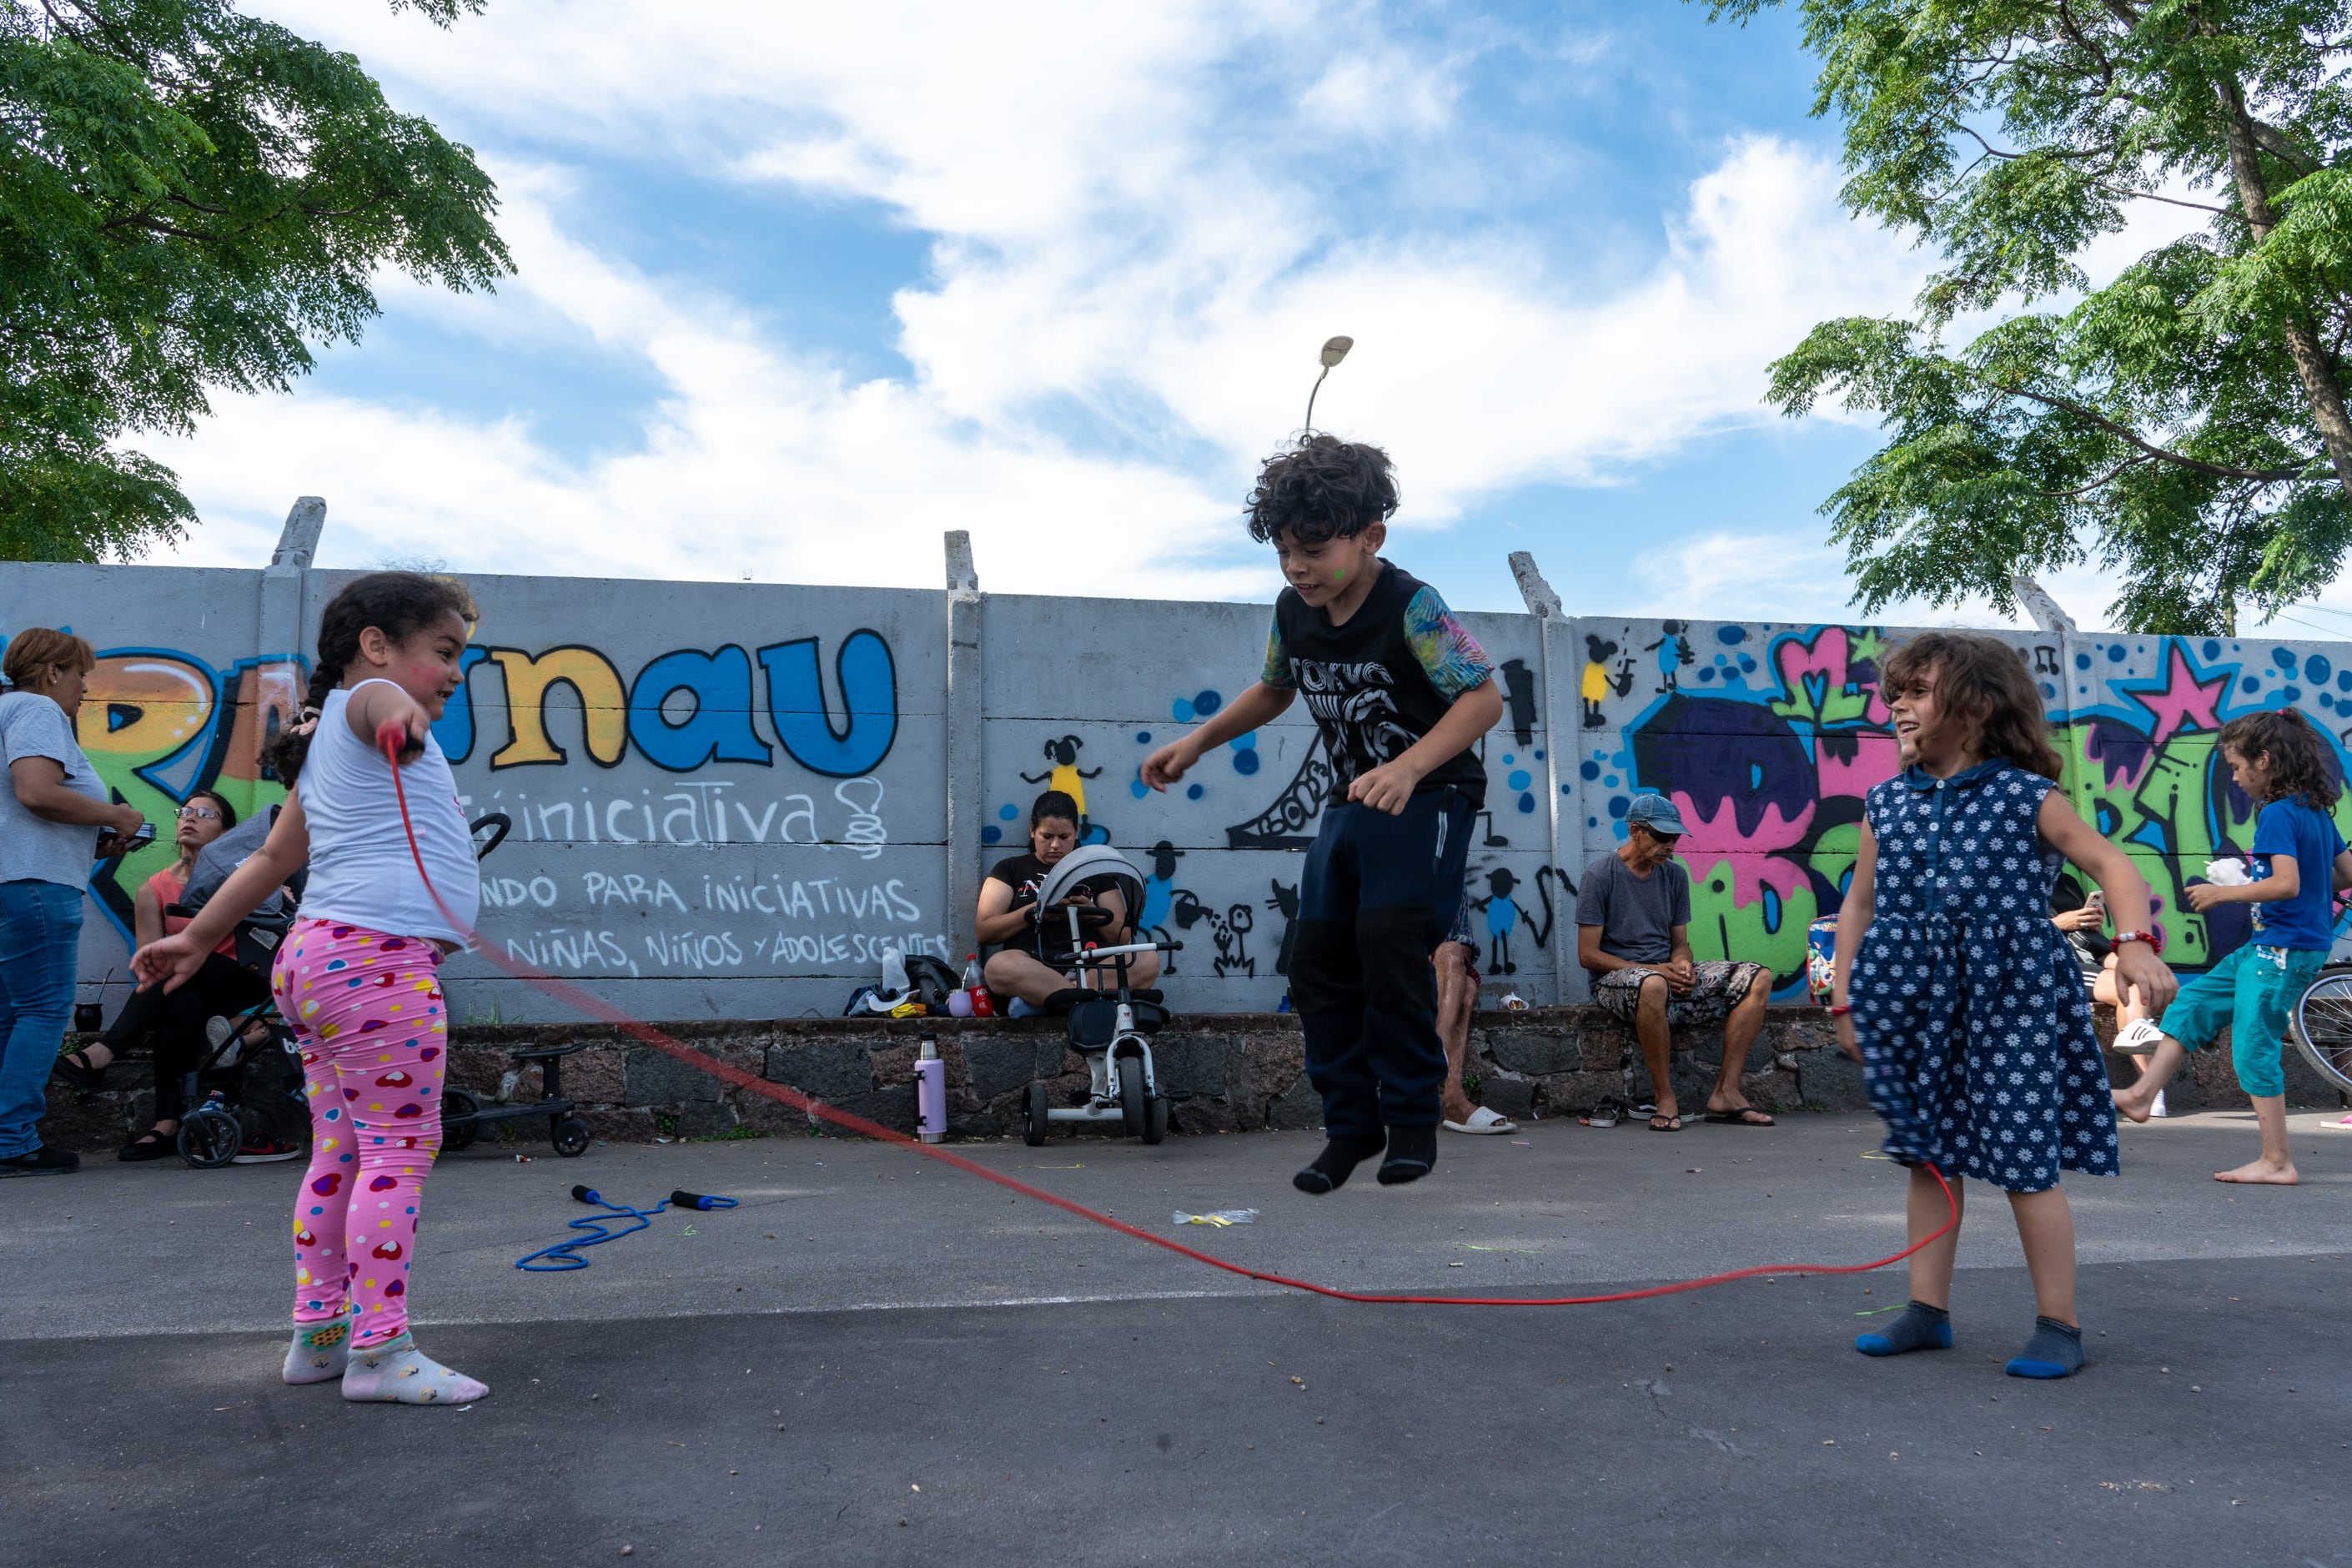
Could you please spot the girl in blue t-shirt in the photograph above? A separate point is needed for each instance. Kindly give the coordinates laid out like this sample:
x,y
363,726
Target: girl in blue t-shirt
x,y
2299,861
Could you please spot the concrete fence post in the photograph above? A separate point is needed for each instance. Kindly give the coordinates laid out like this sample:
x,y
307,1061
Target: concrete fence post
x,y
279,626
964,713
1545,607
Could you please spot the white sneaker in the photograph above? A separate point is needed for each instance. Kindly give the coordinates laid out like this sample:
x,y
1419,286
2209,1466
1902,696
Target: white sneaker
x,y
2139,1038
2156,1107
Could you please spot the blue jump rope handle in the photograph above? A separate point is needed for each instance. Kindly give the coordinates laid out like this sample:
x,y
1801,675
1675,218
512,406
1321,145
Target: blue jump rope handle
x,y
686,1200
588,1194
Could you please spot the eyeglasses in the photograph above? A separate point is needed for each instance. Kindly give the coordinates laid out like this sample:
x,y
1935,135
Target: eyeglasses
x,y
198,814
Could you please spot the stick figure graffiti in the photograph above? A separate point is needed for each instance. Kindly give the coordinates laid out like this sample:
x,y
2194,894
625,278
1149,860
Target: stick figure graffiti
x,y
1599,680
1159,893
1674,651
1594,685
1228,932
1064,774
1504,914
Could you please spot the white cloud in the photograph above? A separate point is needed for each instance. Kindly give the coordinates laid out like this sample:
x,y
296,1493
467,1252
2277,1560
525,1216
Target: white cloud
x,y
1116,225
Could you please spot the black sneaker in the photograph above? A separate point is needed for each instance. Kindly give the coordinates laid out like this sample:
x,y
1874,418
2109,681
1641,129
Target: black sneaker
x,y
259,1150
42,1162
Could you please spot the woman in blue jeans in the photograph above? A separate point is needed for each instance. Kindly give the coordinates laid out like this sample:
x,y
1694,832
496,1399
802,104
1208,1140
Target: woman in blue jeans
x,y
55,821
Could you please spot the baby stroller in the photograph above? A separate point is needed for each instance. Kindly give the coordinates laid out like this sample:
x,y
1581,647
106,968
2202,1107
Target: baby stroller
x,y
265,1076
1112,1029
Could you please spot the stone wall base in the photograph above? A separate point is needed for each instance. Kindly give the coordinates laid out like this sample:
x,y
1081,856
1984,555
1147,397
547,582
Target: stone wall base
x,y
1241,1072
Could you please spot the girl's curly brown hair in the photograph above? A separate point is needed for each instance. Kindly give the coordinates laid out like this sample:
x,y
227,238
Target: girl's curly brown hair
x,y
2300,764
1983,681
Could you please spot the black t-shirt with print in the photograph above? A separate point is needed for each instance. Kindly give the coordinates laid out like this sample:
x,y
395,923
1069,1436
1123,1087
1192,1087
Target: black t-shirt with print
x,y
1381,681
1025,875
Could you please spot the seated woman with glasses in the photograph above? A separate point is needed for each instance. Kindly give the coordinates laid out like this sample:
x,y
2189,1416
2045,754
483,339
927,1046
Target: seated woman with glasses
x,y
175,1020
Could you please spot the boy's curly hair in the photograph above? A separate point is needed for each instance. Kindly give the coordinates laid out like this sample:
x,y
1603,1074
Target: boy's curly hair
x,y
1983,681
1321,488
2300,764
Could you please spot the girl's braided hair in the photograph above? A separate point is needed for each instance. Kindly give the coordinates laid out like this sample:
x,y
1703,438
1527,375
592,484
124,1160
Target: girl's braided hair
x,y
398,603
1981,680
2299,759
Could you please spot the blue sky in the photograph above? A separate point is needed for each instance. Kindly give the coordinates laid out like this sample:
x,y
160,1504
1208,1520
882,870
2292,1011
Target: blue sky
x,y
797,292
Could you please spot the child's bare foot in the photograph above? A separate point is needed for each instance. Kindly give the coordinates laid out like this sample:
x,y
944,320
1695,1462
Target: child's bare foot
x,y
2260,1173
2132,1103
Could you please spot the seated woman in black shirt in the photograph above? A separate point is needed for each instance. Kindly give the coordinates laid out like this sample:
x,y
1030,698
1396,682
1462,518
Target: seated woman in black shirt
x,y
1009,893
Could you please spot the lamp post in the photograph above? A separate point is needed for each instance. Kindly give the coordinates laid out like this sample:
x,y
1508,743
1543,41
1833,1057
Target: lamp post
x,y
1334,350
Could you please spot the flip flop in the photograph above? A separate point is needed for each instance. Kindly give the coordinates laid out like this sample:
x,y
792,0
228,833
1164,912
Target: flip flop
x,y
1656,1119
1483,1121
1738,1116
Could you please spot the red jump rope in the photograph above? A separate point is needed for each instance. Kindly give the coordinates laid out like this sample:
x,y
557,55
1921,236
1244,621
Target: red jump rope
x,y
392,738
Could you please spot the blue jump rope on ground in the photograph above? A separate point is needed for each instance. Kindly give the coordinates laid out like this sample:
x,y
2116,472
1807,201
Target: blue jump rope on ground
x,y
565,1255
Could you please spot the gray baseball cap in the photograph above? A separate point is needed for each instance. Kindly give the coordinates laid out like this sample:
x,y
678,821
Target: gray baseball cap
x,y
1657,814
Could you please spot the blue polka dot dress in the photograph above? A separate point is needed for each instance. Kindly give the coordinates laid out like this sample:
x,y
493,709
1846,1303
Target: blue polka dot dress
x,y
1973,1019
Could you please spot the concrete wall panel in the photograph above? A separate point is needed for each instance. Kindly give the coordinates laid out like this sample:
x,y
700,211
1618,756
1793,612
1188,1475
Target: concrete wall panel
x,y
781,738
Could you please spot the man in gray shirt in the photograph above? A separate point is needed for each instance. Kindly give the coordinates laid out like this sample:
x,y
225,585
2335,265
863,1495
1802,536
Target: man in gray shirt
x,y
1633,935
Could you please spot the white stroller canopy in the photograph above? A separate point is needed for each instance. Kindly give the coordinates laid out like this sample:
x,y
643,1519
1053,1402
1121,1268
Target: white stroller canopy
x,y
1088,863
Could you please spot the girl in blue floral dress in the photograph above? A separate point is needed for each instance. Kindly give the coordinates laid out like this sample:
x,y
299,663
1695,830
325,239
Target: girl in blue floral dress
x,y
1966,1010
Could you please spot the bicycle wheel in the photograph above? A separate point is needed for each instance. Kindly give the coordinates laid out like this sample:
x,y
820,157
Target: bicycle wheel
x,y
2322,1026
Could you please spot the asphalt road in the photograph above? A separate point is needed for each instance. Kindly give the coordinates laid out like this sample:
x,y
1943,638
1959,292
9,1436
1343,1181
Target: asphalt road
x,y
874,1360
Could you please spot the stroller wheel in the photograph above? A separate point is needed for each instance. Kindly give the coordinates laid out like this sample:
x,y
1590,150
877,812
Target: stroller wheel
x,y
1034,1119
1155,1119
209,1138
570,1137
458,1128
1132,1111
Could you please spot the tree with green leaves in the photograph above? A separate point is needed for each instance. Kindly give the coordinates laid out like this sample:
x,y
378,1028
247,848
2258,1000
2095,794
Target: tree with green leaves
x,y
189,198
2183,425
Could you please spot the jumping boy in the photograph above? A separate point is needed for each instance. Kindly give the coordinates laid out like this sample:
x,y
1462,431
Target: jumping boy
x,y
1402,693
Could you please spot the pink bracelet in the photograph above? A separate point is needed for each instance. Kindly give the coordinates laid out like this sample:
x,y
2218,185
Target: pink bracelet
x,y
2154,940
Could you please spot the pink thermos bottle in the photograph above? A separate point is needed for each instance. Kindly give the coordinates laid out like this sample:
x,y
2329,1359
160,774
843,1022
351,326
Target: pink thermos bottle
x,y
931,1094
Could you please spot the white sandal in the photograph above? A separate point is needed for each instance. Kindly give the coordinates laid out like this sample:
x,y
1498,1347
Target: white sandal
x,y
1483,1121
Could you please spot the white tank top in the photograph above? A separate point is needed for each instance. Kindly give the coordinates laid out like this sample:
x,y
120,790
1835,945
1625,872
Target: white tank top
x,y
360,870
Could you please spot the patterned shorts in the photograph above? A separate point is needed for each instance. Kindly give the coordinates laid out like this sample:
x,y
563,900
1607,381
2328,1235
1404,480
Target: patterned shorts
x,y
1717,986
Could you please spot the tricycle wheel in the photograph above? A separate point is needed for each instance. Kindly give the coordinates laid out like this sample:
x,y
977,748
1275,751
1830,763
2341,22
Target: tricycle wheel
x,y
458,1128
1132,1111
571,1137
1034,1119
209,1138
1155,1120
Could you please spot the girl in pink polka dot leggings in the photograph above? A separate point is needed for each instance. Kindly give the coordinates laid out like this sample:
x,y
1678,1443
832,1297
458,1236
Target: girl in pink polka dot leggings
x,y
374,1035
365,1001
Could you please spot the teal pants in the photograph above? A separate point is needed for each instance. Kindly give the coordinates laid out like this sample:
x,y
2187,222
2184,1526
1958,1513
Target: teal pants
x,y
2253,990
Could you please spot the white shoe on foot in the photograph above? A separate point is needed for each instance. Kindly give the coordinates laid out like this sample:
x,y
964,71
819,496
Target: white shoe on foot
x,y
2139,1038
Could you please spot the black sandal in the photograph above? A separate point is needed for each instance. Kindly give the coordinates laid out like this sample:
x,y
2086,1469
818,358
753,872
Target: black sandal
x,y
1737,1116
80,1074
1662,1122
163,1146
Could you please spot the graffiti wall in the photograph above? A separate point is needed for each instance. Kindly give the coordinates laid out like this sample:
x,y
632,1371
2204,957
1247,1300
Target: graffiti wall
x,y
1767,737
729,800
1222,850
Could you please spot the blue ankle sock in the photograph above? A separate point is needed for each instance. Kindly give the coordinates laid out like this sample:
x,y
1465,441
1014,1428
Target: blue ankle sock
x,y
2054,1350
1920,1328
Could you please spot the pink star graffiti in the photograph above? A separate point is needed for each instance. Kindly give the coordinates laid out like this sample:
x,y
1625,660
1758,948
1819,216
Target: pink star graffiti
x,y
2186,702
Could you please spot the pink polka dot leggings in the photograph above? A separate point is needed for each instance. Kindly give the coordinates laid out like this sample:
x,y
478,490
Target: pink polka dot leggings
x,y
375,1035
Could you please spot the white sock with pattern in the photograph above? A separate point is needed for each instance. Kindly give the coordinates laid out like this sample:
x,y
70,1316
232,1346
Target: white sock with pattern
x,y
397,1373
319,1350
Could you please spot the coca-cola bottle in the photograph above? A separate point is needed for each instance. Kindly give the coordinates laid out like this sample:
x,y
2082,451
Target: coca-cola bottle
x,y
976,988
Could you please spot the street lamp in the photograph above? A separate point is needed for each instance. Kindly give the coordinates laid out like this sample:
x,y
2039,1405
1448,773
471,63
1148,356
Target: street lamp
x,y
1334,350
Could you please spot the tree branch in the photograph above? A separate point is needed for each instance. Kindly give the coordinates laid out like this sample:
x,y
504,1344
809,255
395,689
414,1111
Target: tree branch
x,y
2181,459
